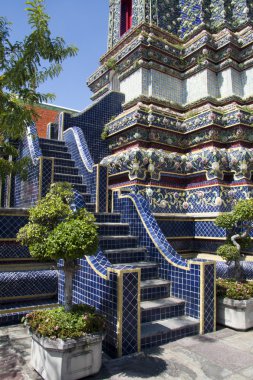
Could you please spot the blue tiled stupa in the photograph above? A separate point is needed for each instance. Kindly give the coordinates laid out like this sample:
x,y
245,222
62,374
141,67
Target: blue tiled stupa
x,y
173,101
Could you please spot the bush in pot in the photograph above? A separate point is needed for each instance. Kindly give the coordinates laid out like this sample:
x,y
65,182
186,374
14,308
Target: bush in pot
x,y
235,295
240,219
55,230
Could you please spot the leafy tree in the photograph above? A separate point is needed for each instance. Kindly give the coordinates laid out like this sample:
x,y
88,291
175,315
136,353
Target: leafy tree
x,y
24,65
56,231
240,219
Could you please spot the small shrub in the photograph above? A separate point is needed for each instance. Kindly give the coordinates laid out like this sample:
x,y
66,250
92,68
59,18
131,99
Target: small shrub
x,y
228,252
111,64
234,289
56,231
57,323
105,133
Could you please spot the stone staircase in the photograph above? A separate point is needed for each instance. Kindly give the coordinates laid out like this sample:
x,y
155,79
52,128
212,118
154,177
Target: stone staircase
x,y
163,317
64,167
27,284
33,285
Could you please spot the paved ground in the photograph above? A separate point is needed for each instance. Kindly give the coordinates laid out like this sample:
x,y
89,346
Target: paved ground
x,y
226,354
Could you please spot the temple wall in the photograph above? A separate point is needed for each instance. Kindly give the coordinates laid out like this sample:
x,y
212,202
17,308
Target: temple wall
x,y
205,83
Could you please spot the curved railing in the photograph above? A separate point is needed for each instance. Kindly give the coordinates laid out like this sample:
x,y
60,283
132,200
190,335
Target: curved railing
x,y
26,193
191,280
75,135
33,143
79,150
154,232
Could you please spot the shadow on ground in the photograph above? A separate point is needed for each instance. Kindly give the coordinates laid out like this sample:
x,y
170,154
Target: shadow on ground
x,y
142,366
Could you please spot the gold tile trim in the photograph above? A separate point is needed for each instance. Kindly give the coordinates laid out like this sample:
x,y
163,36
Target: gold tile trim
x,y
8,239
105,277
215,302
36,296
139,312
40,177
202,300
97,187
8,185
28,308
41,159
119,313
120,273
52,169
209,238
176,188
202,296
107,190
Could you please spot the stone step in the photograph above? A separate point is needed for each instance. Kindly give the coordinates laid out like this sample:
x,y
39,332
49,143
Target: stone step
x,y
10,249
13,312
91,207
56,154
110,228
118,241
80,187
65,170
51,141
68,163
48,147
149,270
25,265
123,255
162,308
73,179
26,284
86,197
102,217
161,332
155,289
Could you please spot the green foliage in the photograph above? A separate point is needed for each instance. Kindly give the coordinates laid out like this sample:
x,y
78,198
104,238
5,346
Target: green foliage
x,y
57,323
243,210
111,64
239,224
54,207
72,239
24,66
225,221
228,252
55,231
105,133
234,289
245,242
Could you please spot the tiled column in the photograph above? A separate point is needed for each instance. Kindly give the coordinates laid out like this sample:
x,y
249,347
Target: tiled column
x,y
101,174
128,311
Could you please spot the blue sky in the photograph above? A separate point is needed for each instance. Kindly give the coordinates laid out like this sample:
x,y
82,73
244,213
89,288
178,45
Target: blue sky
x,y
83,23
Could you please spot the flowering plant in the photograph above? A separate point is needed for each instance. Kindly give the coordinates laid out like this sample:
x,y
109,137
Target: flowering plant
x,y
57,323
234,289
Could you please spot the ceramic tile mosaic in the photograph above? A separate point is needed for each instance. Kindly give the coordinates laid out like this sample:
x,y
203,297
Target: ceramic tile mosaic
x,y
180,139
92,120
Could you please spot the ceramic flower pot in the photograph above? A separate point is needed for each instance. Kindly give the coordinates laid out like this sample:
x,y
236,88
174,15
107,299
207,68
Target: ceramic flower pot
x,y
237,314
66,360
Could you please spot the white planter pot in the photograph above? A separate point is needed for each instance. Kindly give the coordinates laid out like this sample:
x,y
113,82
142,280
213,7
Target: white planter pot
x,y
66,360
234,313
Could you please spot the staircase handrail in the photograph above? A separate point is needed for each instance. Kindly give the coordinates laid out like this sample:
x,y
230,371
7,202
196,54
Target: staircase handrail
x,y
154,231
82,147
33,143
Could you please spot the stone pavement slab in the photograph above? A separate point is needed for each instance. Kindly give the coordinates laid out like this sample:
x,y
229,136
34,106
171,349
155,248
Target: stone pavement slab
x,y
223,355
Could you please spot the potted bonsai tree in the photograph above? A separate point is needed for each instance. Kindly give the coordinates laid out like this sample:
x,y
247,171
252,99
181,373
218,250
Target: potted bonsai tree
x,y
235,295
66,341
